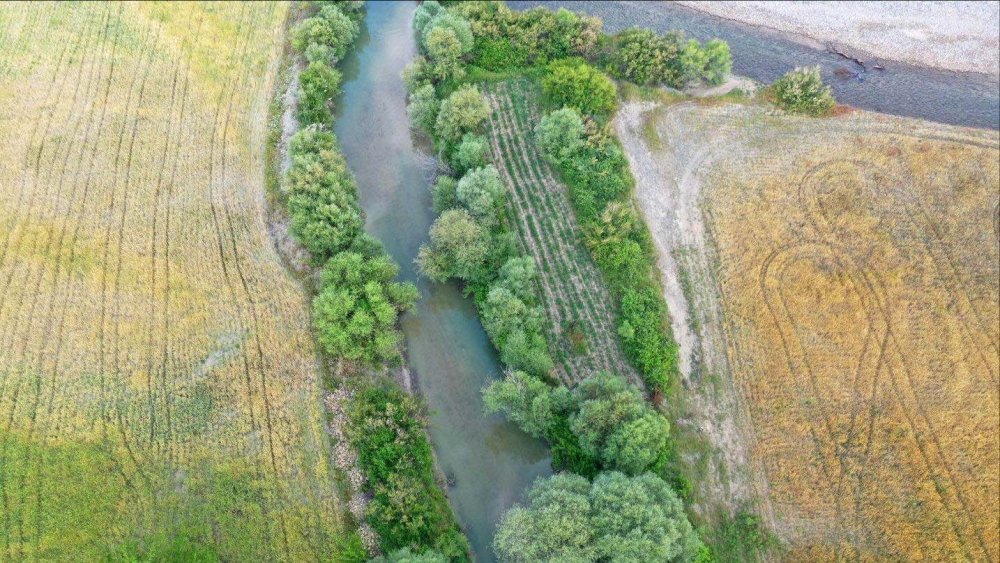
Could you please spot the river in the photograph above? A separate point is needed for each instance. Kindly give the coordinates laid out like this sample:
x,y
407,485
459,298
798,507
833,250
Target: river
x,y
956,98
490,461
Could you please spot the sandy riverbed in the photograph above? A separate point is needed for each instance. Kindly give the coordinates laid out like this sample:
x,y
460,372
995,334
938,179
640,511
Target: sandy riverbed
x,y
959,36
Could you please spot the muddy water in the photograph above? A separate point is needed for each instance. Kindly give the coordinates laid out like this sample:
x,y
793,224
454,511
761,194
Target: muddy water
x,y
955,98
490,462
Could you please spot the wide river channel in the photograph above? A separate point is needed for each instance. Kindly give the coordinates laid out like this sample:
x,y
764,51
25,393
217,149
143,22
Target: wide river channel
x,y
488,460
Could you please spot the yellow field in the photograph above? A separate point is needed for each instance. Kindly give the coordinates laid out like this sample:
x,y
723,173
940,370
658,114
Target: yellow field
x,y
157,376
855,264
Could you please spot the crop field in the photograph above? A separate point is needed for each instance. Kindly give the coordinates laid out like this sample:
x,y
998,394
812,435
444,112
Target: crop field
x,y
850,268
578,305
158,383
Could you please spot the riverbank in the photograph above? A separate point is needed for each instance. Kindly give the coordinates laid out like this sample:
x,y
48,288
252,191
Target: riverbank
x,y
957,36
956,98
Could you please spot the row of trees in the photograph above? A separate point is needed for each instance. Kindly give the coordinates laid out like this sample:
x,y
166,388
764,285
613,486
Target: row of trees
x,y
646,58
357,306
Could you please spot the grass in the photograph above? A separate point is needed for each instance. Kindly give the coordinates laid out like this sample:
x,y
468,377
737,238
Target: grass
x,y
580,310
157,380
858,275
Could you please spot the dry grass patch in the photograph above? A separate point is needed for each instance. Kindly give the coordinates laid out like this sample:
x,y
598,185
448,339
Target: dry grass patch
x,y
154,356
845,276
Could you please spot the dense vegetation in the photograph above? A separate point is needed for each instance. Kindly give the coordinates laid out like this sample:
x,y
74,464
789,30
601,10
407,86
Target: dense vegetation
x,y
613,518
603,429
358,303
408,510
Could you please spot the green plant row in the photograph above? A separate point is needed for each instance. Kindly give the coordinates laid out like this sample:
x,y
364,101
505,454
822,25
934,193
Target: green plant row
x,y
357,306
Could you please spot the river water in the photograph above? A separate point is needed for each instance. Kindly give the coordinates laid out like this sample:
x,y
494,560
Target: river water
x,y
490,461
956,98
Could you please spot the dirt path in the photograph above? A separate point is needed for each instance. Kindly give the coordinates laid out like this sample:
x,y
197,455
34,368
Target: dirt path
x,y
668,190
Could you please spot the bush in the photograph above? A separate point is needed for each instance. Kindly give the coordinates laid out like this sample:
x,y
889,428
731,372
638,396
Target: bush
x,y
802,91
499,54
318,84
423,109
560,134
356,312
718,61
482,192
470,153
643,57
458,248
617,518
424,13
580,86
323,199
443,194
462,112
331,29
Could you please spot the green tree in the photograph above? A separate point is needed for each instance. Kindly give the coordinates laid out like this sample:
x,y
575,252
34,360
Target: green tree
x,y
802,91
423,109
418,73
718,63
445,52
639,519
356,312
406,556
691,63
527,401
470,153
516,328
330,29
424,13
443,193
322,196
458,25
560,134
458,247
581,86
518,275
481,192
643,57
614,424
617,518
318,84
554,525
461,112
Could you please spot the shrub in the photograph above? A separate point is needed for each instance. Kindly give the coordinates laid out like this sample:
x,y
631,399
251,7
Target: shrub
x,y
718,61
423,109
424,13
443,194
447,21
418,73
643,57
802,91
617,518
323,199
406,556
691,63
356,312
463,111
481,192
444,50
560,134
318,84
500,53
459,247
470,153
580,86
527,401
330,29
